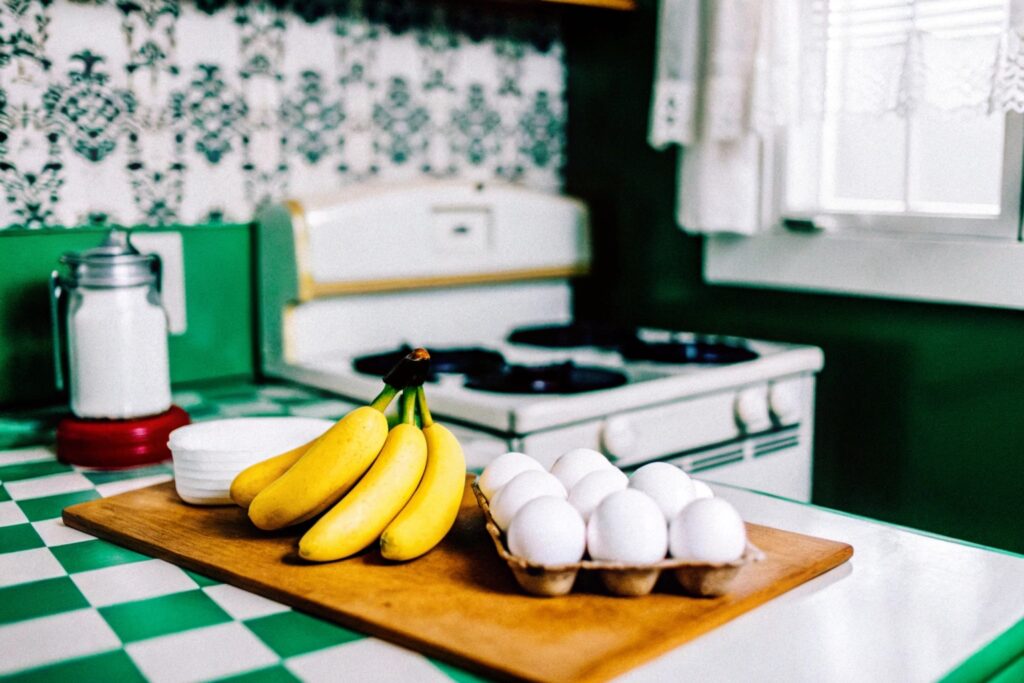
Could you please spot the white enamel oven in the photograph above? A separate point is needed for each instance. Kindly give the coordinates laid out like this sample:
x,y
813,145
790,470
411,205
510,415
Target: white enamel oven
x,y
707,436
450,266
758,435
750,436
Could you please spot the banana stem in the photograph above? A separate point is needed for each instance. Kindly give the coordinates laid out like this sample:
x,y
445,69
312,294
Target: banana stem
x,y
384,398
408,407
421,400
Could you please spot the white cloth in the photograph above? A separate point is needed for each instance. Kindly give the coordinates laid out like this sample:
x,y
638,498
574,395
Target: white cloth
x,y
719,93
720,186
1008,84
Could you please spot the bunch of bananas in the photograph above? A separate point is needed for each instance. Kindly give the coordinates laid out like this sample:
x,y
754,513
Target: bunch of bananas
x,y
402,486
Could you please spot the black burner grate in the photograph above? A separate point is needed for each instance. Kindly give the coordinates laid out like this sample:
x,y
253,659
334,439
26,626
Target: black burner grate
x,y
460,361
572,335
678,352
631,344
562,378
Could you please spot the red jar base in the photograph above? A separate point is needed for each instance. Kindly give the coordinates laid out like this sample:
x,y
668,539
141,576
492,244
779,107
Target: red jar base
x,y
116,444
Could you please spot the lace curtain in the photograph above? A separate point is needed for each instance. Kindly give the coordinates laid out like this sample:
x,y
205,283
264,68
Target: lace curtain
x,y
959,57
731,73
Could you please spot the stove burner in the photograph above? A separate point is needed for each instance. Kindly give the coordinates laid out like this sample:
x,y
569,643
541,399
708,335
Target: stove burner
x,y
701,352
462,361
571,335
563,378
631,344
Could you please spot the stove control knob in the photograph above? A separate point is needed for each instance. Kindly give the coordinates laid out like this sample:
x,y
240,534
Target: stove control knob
x,y
752,410
784,401
618,436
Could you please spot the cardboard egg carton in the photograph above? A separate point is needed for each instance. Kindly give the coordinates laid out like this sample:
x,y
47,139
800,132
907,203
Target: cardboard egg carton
x,y
700,579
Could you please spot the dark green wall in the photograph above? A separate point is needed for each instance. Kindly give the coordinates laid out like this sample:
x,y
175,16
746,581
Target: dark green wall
x,y
217,343
920,407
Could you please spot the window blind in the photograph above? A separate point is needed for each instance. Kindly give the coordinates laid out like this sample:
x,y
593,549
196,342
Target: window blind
x,y
887,21
903,56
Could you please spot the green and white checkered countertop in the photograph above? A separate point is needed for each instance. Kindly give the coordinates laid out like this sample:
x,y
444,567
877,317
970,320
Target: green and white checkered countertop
x,y
908,606
73,607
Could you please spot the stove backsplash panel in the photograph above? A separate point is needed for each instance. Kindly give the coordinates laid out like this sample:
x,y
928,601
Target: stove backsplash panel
x,y
159,112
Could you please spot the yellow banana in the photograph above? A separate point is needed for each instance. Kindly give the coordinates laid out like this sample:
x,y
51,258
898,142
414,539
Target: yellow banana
x,y
359,518
327,470
255,478
432,510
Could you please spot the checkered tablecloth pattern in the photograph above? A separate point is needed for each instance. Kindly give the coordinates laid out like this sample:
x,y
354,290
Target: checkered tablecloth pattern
x,y
73,607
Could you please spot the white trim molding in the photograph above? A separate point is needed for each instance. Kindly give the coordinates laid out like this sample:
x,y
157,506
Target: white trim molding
x,y
961,270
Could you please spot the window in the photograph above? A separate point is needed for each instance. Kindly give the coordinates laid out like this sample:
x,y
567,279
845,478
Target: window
x,y
908,174
903,140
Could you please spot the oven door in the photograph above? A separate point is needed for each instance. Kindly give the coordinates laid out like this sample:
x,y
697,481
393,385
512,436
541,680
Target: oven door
x,y
723,437
777,462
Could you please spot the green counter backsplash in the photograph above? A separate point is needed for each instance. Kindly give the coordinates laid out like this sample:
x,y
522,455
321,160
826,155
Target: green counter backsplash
x,y
218,285
919,406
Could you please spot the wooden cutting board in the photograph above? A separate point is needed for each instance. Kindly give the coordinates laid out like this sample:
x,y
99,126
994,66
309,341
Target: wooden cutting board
x,y
458,603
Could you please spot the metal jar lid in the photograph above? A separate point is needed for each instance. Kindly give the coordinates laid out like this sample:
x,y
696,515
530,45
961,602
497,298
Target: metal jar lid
x,y
114,263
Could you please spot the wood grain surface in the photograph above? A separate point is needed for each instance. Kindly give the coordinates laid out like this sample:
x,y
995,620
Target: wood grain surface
x,y
458,603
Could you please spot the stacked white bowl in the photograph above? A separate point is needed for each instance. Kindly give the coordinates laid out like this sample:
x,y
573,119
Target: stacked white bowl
x,y
208,455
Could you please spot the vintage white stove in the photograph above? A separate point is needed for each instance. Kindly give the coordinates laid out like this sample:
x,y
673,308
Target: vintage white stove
x,y
479,275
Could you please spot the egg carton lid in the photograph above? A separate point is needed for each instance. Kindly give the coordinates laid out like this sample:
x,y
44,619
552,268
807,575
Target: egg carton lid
x,y
704,579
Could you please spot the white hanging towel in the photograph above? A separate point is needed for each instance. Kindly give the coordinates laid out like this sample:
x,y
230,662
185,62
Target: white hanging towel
x,y
719,92
720,186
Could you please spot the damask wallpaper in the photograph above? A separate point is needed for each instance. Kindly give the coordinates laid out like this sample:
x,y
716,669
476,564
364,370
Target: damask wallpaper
x,y
167,112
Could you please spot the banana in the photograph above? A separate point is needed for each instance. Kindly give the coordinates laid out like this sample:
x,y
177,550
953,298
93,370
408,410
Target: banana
x,y
359,518
432,510
255,478
327,470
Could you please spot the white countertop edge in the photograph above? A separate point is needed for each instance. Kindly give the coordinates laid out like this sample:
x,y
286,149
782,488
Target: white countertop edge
x,y
908,606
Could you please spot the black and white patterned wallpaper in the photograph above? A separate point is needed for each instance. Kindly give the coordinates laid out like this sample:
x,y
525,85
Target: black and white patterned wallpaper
x,y
166,112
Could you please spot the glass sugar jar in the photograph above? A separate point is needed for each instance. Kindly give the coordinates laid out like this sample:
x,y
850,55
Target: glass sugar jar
x,y
116,331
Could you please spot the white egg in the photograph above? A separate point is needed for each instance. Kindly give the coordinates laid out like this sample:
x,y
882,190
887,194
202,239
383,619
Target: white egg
x,y
578,463
701,490
523,488
547,530
594,487
668,485
627,527
502,469
707,530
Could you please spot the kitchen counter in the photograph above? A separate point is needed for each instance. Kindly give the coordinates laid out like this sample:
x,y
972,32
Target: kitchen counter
x,y
907,607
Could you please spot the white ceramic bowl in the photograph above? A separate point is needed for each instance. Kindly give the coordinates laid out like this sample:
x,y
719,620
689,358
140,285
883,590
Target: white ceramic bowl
x,y
208,455
207,459
203,485
227,469
200,499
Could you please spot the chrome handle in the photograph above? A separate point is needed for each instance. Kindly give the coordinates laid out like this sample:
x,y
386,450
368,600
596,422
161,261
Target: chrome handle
x,y
58,361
